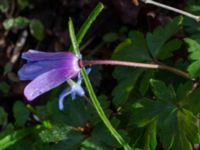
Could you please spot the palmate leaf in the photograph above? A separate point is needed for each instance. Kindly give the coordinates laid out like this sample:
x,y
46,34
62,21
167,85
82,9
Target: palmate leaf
x,y
160,35
175,119
127,77
137,48
194,50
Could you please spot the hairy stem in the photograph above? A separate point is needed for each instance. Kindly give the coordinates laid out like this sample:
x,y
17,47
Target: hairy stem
x,y
197,18
134,64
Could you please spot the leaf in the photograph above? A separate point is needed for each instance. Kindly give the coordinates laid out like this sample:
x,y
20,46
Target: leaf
x,y
8,23
3,117
110,37
134,50
14,136
155,41
150,141
147,112
21,113
22,3
193,102
4,87
162,92
177,125
4,5
126,83
194,49
37,29
144,83
167,49
55,134
21,22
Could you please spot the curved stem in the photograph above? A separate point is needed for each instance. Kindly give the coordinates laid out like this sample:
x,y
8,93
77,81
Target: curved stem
x,y
134,64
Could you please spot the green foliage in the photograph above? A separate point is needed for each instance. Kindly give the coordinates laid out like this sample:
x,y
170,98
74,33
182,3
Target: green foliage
x,y
14,136
142,110
55,134
194,50
192,26
155,41
3,117
8,23
37,29
21,113
4,87
4,5
23,3
138,48
176,123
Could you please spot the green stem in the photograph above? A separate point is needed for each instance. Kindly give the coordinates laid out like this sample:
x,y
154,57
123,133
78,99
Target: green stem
x,y
101,112
88,22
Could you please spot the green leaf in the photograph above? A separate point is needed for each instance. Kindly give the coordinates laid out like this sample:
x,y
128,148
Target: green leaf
x,y
162,92
37,29
167,49
4,5
8,23
193,102
21,113
110,37
15,136
160,35
3,117
55,134
23,3
4,87
176,125
134,50
150,139
194,49
144,83
147,112
21,22
126,83
88,22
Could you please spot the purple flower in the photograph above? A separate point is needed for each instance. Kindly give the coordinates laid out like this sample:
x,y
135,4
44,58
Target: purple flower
x,y
47,71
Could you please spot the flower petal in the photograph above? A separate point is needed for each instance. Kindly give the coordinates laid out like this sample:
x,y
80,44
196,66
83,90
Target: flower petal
x,y
34,55
62,96
31,70
47,81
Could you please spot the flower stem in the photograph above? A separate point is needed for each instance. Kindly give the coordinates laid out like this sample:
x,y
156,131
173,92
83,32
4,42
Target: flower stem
x,y
101,113
197,18
134,64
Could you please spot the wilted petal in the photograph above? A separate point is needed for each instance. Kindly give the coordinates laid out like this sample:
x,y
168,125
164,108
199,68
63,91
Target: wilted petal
x,y
47,81
34,55
31,70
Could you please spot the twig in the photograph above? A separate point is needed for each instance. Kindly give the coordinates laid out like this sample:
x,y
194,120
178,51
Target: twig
x,y
197,18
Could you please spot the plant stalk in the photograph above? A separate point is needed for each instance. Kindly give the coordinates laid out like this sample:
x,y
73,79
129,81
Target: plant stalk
x,y
134,64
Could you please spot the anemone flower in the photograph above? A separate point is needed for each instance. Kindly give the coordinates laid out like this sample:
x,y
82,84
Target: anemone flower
x,y
48,70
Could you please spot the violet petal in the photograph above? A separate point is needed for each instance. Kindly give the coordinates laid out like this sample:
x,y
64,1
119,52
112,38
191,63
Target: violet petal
x,y
31,70
47,81
34,55
62,96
